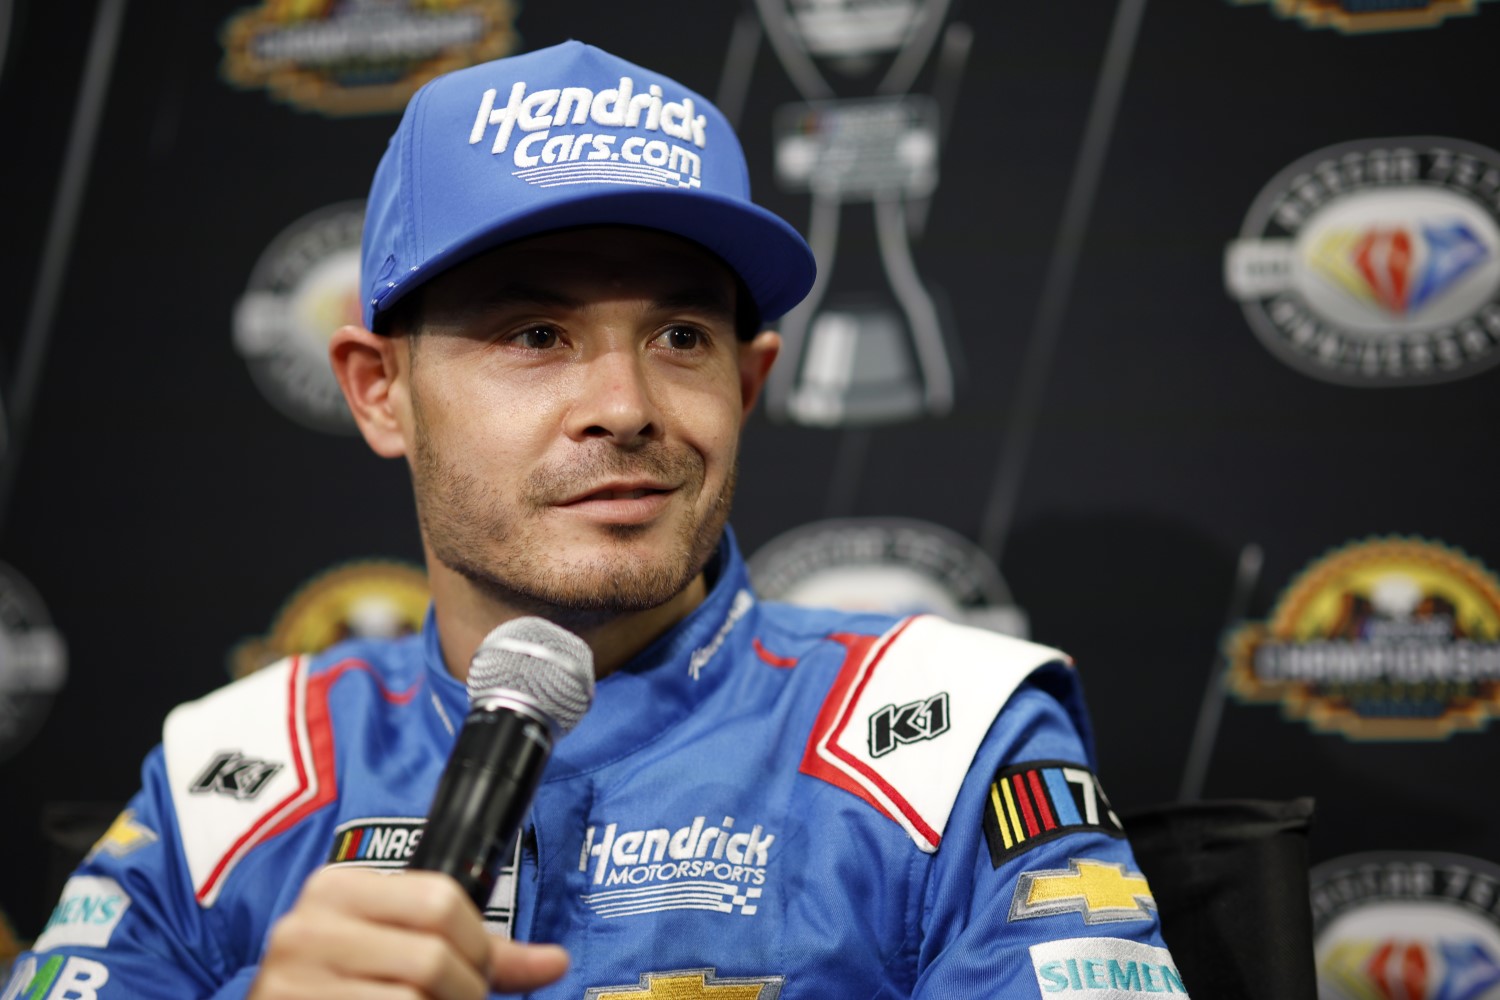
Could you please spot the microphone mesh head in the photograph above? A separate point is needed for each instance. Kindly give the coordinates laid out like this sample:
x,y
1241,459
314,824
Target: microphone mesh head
x,y
544,663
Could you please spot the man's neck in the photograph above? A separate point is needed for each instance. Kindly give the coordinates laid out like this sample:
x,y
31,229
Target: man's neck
x,y
466,614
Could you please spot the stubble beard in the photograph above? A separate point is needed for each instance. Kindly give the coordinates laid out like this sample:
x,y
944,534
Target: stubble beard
x,y
506,552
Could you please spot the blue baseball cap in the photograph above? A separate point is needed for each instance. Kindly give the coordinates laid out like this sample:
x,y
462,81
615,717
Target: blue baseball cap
x,y
561,137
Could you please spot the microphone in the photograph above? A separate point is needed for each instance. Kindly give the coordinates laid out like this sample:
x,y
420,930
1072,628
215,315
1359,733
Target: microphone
x,y
530,681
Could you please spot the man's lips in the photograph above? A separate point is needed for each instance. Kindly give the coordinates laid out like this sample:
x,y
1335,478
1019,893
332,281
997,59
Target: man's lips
x,y
618,491
632,502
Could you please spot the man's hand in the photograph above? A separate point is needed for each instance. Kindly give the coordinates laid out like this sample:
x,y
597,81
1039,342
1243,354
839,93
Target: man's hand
x,y
359,933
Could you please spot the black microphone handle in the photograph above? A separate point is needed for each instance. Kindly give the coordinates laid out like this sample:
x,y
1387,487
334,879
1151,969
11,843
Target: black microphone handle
x,y
482,798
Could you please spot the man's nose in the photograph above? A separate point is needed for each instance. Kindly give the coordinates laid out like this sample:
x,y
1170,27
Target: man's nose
x,y
615,400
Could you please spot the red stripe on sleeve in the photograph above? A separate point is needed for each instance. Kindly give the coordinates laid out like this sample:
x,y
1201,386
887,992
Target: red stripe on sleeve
x,y
830,741
1024,801
856,647
784,662
1043,807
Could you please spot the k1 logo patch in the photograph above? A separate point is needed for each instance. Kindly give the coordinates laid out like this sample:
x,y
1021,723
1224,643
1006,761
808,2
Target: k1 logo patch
x,y
1101,891
1036,802
894,726
232,773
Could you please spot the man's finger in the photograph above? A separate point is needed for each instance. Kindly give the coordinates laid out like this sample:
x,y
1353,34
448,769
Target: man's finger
x,y
421,960
515,966
418,900
290,986
315,946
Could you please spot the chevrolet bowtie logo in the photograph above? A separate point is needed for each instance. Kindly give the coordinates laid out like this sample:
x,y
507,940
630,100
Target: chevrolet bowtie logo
x,y
123,836
691,984
1100,890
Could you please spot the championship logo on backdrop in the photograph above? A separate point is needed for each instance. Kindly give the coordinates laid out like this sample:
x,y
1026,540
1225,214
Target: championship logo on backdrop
x,y
888,565
304,286
1406,926
33,661
862,351
1376,263
1358,16
355,57
370,599
1385,639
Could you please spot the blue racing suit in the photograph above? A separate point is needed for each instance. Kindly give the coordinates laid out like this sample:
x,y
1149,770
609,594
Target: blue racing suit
x,y
768,802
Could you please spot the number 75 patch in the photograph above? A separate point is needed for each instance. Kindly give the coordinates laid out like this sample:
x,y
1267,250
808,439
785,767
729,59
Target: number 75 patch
x,y
1034,802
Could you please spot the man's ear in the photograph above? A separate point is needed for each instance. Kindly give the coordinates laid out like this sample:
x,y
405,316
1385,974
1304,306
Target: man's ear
x,y
756,357
373,370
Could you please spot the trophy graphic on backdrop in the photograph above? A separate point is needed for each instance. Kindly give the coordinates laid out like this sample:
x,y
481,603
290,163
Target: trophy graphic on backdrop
x,y
859,353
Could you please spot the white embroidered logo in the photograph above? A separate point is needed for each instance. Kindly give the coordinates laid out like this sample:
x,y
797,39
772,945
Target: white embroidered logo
x,y
691,868
572,157
743,601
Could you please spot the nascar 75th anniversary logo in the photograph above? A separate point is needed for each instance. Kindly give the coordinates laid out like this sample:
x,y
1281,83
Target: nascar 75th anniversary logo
x,y
1427,921
1376,262
1385,639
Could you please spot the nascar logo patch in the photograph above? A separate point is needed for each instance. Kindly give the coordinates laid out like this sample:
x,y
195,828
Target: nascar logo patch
x,y
1038,801
387,843
378,842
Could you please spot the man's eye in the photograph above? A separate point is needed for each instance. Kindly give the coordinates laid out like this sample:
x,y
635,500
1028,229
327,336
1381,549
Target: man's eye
x,y
536,338
683,338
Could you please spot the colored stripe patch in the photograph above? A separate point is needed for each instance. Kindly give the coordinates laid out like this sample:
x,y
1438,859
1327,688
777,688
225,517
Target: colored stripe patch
x,y
1035,802
1067,815
1043,808
1025,801
995,805
1016,832
350,847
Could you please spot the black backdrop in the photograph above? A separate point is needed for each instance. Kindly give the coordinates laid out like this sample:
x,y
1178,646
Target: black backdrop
x,y
164,511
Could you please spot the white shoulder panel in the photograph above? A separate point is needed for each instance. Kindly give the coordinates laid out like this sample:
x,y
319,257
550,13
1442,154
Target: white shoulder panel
x,y
238,761
914,713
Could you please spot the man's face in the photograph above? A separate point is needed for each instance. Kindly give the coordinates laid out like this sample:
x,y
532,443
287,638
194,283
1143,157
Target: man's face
x,y
575,406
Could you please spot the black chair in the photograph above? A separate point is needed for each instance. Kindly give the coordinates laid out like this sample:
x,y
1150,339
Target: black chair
x,y
1231,888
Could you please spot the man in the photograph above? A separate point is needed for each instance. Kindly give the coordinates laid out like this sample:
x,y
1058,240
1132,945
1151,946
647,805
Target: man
x,y
565,280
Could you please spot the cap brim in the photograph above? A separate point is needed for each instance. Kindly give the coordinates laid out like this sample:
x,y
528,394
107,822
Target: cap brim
x,y
770,256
